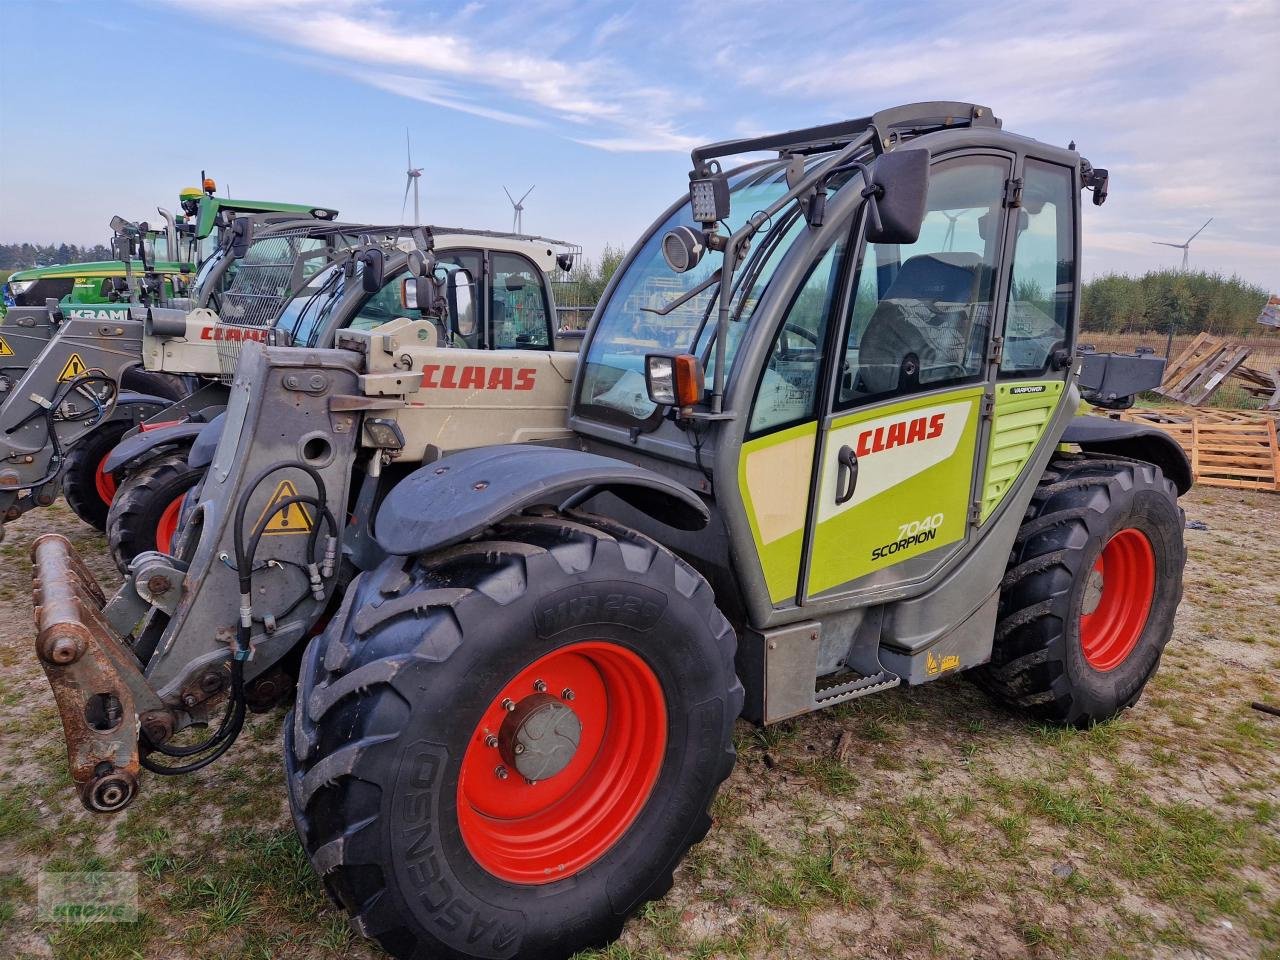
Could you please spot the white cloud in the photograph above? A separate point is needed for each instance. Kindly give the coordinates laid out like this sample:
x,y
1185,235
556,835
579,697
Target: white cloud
x,y
412,55
1180,100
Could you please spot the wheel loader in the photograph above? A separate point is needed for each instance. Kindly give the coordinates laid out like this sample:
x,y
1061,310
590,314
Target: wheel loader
x,y
822,440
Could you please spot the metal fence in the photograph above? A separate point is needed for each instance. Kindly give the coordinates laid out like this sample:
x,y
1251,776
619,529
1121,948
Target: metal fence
x,y
1264,351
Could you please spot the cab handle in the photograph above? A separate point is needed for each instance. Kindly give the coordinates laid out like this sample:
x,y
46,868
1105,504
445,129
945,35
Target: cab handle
x,y
847,475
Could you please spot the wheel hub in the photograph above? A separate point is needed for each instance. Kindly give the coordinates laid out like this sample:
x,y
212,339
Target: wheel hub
x,y
539,737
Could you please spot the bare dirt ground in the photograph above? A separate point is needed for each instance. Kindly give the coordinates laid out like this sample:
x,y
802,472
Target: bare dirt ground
x,y
918,823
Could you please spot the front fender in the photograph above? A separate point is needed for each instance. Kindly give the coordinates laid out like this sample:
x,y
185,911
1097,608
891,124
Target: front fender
x,y
451,499
206,442
136,407
1123,438
142,445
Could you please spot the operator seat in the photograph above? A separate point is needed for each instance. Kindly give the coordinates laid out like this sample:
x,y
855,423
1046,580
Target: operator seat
x,y
920,323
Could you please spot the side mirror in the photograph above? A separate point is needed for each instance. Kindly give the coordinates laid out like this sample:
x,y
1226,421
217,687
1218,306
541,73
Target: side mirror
x,y
462,305
897,210
418,293
241,237
371,276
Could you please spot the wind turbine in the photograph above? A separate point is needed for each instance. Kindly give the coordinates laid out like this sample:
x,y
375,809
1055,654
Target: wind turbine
x,y
1184,247
412,176
517,209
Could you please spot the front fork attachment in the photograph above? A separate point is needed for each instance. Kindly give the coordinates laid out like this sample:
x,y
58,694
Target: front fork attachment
x,y
102,695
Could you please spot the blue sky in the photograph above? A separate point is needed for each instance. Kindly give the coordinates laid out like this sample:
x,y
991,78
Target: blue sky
x,y
110,107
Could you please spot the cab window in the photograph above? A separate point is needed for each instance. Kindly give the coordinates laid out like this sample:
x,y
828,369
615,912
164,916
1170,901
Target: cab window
x,y
1043,271
518,314
921,314
789,385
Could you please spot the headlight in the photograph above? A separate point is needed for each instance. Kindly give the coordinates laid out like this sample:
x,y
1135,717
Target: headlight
x,y
683,247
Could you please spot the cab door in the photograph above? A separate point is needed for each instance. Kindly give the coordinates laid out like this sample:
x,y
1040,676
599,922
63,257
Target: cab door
x,y
898,446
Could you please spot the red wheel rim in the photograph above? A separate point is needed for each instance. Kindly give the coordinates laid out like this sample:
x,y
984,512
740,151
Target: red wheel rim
x,y
1124,577
168,525
105,482
556,827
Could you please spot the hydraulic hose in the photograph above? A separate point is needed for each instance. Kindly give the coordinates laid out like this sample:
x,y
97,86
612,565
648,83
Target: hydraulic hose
x,y
233,719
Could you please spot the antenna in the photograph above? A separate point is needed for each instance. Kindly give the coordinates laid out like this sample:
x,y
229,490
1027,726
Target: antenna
x,y
412,175
517,209
1184,247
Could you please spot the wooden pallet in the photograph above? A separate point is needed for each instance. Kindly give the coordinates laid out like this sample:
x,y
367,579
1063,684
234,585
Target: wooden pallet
x,y
1196,374
1227,448
1263,384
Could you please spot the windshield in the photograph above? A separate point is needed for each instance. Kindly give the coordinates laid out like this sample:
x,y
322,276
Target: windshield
x,y
304,316
613,384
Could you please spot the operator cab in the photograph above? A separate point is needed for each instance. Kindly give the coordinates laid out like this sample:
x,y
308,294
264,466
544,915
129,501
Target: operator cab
x,y
865,387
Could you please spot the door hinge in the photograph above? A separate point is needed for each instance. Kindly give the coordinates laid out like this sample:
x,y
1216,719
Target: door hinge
x,y
975,513
996,351
1013,192
987,409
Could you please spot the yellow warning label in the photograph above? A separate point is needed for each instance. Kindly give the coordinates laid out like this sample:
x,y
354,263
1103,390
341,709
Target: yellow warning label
x,y
295,518
74,367
5,349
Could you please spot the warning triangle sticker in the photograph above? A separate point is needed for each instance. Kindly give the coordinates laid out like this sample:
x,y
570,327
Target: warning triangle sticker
x,y
5,349
294,518
74,367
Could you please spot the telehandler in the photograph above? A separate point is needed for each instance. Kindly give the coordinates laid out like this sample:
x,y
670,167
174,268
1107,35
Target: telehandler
x,y
508,288
70,410
511,729
75,384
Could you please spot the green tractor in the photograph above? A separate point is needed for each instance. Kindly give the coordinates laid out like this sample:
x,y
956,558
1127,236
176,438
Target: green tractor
x,y
39,298
822,440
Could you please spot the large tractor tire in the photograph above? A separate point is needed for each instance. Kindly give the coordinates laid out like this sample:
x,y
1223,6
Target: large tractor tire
x,y
504,749
88,488
147,509
1088,601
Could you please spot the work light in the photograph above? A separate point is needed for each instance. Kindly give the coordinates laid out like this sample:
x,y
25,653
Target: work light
x,y
673,380
709,198
683,247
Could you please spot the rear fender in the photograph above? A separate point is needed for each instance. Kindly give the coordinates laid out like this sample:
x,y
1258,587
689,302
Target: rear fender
x,y
454,498
1121,438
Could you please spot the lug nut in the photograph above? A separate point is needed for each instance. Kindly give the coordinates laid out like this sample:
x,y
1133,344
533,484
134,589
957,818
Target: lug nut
x,y
508,704
531,783
500,772
568,694
519,748
540,686
491,741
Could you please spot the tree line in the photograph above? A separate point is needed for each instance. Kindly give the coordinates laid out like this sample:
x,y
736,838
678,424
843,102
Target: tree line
x,y
1164,299
20,256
